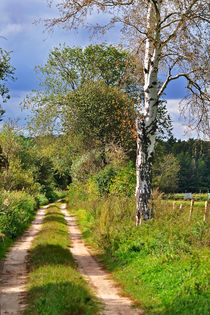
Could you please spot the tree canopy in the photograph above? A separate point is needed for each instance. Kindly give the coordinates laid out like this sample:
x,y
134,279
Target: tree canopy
x,y
87,92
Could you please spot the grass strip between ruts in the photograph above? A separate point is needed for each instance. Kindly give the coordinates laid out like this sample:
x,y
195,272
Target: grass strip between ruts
x,y
54,285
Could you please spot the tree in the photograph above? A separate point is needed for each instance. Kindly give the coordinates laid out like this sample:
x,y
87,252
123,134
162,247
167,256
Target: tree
x,y
167,174
13,174
6,72
100,114
170,38
67,69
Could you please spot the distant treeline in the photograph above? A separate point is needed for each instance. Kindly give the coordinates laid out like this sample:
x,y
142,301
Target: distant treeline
x,y
191,159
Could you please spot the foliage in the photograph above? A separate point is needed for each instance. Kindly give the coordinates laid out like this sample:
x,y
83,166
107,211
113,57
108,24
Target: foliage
x,y
170,41
55,286
124,183
163,264
104,179
86,164
16,211
6,72
19,171
67,70
167,173
30,164
41,200
101,114
194,160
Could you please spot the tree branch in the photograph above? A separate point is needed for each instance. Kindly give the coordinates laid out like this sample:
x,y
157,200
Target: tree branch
x,y
171,78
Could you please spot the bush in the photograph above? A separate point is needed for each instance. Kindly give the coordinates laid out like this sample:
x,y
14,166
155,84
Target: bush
x,y
16,210
104,179
124,183
41,200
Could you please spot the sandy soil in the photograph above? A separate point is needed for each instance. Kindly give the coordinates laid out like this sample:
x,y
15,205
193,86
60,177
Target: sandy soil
x,y
13,277
104,287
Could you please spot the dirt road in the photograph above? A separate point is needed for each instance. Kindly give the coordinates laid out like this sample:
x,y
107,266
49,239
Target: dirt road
x,y
13,278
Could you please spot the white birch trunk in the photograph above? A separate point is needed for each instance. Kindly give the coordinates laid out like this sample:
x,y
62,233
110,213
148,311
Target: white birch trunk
x,y
146,123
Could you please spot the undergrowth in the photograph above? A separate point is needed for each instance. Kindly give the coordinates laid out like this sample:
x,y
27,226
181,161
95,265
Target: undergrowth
x,y
163,264
54,286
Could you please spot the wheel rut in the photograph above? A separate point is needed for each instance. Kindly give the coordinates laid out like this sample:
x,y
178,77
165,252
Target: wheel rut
x,y
104,287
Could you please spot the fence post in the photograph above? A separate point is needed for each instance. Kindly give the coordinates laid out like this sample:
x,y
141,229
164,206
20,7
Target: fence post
x,y
174,205
191,209
205,211
180,207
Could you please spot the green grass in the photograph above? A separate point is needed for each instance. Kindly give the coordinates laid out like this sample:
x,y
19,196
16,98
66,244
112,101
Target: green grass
x,y
181,196
4,246
55,287
163,264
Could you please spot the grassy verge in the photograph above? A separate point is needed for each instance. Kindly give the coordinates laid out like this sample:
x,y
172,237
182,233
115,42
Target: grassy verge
x,y
55,287
163,264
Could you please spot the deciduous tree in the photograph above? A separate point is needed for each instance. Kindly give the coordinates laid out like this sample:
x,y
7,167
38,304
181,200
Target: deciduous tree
x,y
170,39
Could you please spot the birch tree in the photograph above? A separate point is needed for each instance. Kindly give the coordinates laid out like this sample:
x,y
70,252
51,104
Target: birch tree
x,y
169,39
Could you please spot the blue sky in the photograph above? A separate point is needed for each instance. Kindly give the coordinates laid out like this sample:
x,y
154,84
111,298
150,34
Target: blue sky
x,y
30,46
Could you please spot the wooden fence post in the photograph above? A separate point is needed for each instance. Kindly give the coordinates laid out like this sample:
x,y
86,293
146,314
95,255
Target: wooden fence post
x,y
205,211
174,205
191,209
180,207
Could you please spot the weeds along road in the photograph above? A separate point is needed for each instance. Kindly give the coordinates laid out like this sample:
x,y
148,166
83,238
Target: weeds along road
x,y
16,295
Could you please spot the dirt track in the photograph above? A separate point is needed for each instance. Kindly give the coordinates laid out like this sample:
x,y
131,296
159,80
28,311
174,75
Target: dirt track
x,y
13,277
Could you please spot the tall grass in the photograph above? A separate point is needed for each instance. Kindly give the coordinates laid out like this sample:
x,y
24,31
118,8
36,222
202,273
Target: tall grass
x,y
163,264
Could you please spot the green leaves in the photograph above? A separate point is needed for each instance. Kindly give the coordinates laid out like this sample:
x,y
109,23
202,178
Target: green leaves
x,y
6,72
99,113
70,70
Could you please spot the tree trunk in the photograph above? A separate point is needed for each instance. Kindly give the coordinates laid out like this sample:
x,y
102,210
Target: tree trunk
x,y
145,149
146,123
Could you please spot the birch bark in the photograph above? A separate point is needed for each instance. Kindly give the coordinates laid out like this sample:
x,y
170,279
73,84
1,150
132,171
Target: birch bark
x,y
146,124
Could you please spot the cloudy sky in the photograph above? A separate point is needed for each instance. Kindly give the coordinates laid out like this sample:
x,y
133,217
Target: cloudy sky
x,y
30,46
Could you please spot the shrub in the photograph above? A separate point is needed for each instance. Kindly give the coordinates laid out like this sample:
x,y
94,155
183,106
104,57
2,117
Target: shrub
x,y
104,179
16,210
124,183
41,199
